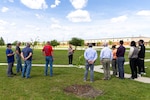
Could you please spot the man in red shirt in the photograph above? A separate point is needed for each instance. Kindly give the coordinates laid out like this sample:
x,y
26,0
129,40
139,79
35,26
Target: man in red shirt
x,y
48,53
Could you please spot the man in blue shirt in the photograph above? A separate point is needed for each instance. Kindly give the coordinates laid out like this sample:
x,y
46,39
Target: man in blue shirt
x,y
106,58
90,56
26,55
10,60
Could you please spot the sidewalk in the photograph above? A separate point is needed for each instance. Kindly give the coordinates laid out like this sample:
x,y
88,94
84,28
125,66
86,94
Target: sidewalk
x,y
96,69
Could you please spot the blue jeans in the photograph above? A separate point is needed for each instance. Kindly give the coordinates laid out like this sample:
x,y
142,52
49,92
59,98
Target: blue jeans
x,y
87,66
49,60
19,64
120,62
26,69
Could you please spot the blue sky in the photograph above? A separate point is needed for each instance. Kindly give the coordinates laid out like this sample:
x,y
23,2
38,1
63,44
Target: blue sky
x,y
45,20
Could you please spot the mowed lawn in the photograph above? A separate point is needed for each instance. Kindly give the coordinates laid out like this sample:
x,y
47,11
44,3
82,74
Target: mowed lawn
x,y
40,87
61,58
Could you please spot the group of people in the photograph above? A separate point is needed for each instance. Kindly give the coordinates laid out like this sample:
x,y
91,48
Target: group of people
x,y
26,55
116,58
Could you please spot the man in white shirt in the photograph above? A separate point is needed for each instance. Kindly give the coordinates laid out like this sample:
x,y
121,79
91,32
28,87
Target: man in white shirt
x,y
90,56
105,58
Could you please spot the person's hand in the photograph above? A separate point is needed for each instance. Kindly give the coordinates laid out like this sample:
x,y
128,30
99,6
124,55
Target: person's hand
x,y
90,62
13,53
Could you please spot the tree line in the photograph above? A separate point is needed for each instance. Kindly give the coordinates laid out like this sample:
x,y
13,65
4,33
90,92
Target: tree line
x,y
74,41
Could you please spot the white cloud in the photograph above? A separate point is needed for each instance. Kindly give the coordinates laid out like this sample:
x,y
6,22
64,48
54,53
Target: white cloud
x,y
38,16
54,20
13,24
119,19
35,4
79,4
144,13
33,27
4,9
55,26
2,22
57,2
59,27
79,16
11,0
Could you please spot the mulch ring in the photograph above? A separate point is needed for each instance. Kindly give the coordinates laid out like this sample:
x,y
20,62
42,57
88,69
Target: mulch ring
x,y
86,91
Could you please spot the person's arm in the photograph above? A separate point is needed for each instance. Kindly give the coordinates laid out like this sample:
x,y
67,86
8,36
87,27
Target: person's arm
x,y
30,54
22,55
95,57
85,55
130,52
10,54
111,55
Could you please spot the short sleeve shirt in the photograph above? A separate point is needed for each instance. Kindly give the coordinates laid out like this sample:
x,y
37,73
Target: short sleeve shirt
x,y
18,49
10,59
47,49
26,51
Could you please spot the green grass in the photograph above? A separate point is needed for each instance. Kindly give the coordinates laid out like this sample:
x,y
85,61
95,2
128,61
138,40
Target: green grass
x,y
40,87
147,64
61,58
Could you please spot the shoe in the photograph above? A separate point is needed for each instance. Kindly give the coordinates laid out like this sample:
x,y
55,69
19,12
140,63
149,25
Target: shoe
x,y
70,64
131,78
144,73
139,75
91,81
10,76
105,79
13,74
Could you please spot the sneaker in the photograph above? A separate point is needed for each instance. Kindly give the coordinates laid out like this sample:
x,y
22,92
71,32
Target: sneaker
x,y
144,73
10,76
91,81
84,80
139,75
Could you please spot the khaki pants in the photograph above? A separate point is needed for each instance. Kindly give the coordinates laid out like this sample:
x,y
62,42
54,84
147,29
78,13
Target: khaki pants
x,y
106,67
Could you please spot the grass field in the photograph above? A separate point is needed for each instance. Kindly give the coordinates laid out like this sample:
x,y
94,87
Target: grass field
x,y
40,87
60,57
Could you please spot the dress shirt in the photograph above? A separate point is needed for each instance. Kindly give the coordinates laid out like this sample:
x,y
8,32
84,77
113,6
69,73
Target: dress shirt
x,y
90,54
106,53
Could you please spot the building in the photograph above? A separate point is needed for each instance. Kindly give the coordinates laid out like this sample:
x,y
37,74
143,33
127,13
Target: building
x,y
111,41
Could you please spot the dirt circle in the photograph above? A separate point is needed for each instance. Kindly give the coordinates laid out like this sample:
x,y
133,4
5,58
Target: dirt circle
x,y
83,91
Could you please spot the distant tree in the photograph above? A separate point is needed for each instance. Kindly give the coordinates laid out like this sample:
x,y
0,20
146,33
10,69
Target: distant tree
x,y
43,43
76,42
110,42
99,43
14,43
2,42
149,42
23,43
54,43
